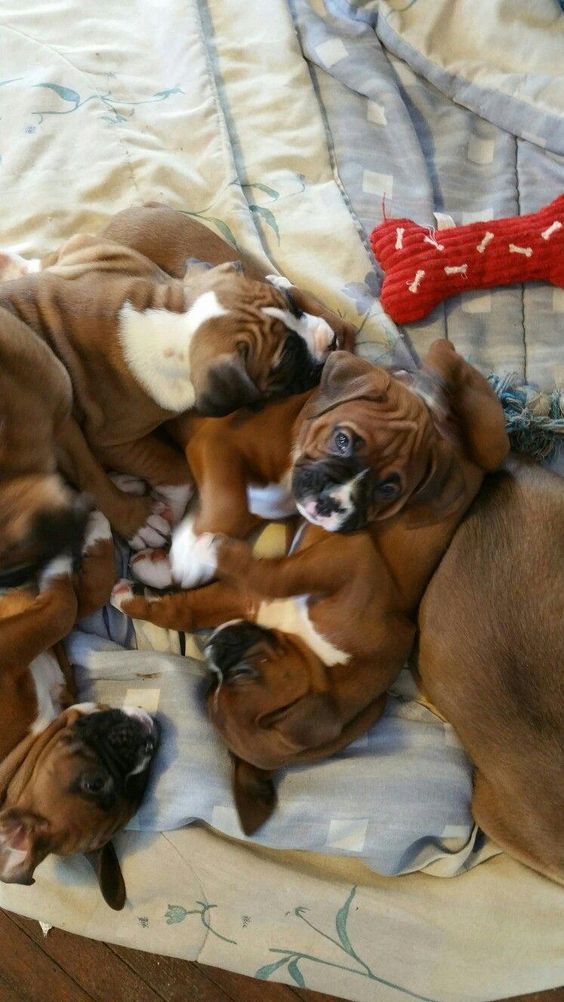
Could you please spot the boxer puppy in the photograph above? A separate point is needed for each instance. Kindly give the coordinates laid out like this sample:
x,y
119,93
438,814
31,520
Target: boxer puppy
x,y
71,776
39,515
330,625
127,331
491,657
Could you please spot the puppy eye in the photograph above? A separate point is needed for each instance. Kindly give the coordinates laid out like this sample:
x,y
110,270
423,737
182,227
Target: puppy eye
x,y
342,442
242,673
93,783
390,487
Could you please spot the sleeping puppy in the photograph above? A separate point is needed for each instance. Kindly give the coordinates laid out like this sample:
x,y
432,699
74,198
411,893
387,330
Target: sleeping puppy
x,y
71,776
321,634
39,515
491,657
141,347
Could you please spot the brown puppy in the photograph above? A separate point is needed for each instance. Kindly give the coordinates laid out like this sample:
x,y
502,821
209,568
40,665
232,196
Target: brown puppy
x,y
39,516
491,657
333,622
70,776
128,332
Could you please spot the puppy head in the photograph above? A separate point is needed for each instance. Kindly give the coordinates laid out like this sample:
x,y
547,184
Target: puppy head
x,y
271,698
370,444
253,342
72,788
39,518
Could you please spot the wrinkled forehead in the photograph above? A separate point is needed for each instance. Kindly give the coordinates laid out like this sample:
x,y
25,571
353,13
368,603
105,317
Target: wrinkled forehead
x,y
234,291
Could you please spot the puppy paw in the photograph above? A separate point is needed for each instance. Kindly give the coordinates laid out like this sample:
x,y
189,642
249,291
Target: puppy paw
x,y
155,533
193,558
122,593
59,567
98,530
14,266
175,497
279,282
129,484
152,567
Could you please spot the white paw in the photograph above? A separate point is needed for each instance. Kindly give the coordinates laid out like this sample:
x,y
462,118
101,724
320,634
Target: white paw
x,y
279,282
176,497
152,567
193,558
59,567
14,266
97,528
129,484
155,533
121,592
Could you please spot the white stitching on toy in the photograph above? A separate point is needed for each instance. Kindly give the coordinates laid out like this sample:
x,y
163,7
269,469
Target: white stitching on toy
x,y
458,269
525,251
488,236
400,230
431,239
546,234
414,286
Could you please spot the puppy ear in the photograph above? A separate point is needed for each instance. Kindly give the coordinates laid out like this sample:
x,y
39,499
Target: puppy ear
x,y
110,878
439,494
24,844
255,796
310,722
479,412
347,377
225,387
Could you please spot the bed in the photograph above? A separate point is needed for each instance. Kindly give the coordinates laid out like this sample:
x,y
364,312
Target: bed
x,y
292,128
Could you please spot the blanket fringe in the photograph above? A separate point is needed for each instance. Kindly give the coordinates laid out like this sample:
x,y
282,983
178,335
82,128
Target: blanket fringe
x,y
534,420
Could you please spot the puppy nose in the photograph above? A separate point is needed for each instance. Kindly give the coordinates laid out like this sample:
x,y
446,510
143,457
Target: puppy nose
x,y
142,717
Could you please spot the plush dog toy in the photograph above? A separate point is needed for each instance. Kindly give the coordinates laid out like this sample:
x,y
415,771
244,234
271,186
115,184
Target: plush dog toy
x,y
423,266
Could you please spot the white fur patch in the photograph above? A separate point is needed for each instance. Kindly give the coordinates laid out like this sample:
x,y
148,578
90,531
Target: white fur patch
x,y
121,592
290,615
272,501
193,558
156,345
154,533
49,683
97,528
279,282
86,708
176,496
315,331
59,567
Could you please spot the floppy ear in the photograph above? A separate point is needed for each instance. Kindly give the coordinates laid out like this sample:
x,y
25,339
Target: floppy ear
x,y
225,386
347,377
255,796
310,722
110,878
439,494
24,844
479,412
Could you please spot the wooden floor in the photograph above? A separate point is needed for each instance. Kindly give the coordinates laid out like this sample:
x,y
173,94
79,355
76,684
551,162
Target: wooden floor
x,y
65,968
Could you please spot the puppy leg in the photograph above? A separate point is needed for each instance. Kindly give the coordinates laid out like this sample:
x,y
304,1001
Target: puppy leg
x,y
97,573
304,572
125,514
197,609
41,623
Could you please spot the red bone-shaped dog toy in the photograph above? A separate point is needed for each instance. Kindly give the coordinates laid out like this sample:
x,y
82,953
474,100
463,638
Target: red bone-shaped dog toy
x,y
423,266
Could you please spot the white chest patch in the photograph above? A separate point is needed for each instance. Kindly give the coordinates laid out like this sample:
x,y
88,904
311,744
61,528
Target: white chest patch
x,y
156,347
49,683
291,616
273,500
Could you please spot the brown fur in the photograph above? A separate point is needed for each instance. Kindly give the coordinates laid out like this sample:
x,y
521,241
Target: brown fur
x,y
491,657
71,307
364,588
